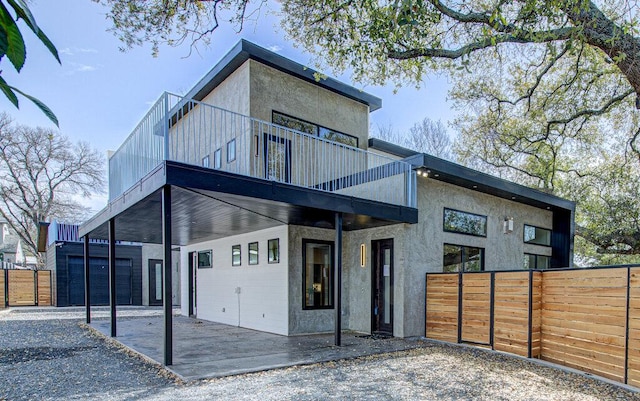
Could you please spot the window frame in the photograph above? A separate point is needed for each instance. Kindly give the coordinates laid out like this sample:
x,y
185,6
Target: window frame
x,y
231,145
233,255
205,161
276,258
462,251
444,221
318,129
217,159
210,265
257,254
524,231
331,244
537,255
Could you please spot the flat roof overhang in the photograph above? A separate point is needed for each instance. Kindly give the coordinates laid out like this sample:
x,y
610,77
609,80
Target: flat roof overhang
x,y
446,171
210,204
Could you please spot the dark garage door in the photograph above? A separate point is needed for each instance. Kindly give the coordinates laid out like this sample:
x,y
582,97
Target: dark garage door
x,y
99,276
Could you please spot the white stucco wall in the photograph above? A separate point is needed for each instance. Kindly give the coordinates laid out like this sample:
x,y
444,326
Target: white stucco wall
x,y
262,301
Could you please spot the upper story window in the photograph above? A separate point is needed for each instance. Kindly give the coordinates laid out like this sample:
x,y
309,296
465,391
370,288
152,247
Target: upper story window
x,y
314,129
459,258
456,221
231,150
536,235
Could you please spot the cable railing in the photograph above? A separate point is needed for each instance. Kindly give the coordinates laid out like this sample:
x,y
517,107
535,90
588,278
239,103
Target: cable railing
x,y
196,133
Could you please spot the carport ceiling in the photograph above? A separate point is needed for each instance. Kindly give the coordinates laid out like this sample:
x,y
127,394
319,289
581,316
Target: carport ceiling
x,y
200,215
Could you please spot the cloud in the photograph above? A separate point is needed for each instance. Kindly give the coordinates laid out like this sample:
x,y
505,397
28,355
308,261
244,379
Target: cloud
x,y
72,51
274,48
79,68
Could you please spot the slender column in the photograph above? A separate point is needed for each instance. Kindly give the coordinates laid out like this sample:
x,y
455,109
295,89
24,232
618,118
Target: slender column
x,y
166,275
87,280
338,280
112,274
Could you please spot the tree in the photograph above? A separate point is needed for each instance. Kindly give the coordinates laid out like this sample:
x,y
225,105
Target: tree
x,y
426,136
41,175
12,45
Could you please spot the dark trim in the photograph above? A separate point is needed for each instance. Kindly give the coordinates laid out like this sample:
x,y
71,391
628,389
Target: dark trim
x,y
460,278
87,278
306,241
462,255
362,177
492,304
530,334
446,171
626,337
5,301
257,253
486,222
426,298
233,262
391,148
112,275
318,126
166,276
287,154
525,225
191,256
337,290
245,50
376,259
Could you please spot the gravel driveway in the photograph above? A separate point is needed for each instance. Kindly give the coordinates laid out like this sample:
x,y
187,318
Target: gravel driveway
x,y
48,355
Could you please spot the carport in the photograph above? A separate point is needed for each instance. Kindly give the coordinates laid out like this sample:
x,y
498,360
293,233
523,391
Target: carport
x,y
177,204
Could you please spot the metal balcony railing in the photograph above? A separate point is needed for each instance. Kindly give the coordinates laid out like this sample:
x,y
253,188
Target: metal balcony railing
x,y
197,133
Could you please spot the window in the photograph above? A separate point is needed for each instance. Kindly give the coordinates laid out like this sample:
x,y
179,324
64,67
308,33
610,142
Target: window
x,y
253,253
205,161
457,221
273,248
236,257
537,235
458,258
313,129
204,259
231,150
317,274
217,159
539,262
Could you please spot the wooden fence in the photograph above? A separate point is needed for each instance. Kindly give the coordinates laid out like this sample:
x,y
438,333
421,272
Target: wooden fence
x,y
587,319
25,288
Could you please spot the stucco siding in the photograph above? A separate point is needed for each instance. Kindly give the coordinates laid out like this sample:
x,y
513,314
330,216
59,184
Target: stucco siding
x,y
155,251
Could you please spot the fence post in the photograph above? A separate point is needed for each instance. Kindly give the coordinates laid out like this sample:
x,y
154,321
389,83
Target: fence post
x,y
6,288
626,338
529,333
35,287
459,307
491,308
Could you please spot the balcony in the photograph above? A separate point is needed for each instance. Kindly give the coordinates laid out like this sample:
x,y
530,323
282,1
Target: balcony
x,y
196,133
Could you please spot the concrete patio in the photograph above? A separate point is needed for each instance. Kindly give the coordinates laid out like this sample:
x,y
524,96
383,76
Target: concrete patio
x,y
205,349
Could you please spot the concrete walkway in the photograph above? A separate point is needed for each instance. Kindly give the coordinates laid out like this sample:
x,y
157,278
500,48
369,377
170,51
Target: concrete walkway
x,y
205,349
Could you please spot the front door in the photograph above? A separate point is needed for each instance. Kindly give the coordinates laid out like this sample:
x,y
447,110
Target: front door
x,y
277,158
382,282
155,282
193,277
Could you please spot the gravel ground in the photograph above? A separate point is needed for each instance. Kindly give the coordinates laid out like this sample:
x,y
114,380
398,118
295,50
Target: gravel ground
x,y
48,355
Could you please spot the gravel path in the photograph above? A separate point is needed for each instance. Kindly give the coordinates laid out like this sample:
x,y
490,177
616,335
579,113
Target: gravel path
x,y
50,356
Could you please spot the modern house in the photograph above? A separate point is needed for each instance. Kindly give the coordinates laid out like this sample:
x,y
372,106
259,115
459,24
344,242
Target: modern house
x,y
291,220
138,270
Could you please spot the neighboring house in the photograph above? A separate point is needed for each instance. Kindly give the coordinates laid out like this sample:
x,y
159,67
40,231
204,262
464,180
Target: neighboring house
x,y
136,263
11,250
286,212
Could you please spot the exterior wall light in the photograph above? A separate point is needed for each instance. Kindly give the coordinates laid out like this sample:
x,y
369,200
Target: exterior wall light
x,y
363,253
508,225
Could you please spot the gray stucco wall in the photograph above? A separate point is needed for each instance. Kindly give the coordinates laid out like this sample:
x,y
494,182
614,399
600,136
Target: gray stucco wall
x,y
156,251
274,90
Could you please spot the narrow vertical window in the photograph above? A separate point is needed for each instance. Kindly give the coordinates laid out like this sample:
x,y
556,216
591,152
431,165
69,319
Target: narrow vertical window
x,y
253,253
217,159
231,150
273,248
236,255
205,161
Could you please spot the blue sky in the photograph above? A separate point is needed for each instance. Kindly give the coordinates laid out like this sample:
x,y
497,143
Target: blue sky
x,y
100,93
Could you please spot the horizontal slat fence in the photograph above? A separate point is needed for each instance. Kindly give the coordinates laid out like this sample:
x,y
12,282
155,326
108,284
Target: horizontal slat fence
x,y
587,319
25,288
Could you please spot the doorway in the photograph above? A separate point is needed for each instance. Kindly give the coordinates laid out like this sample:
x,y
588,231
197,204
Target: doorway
x,y
155,282
277,158
382,287
193,276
